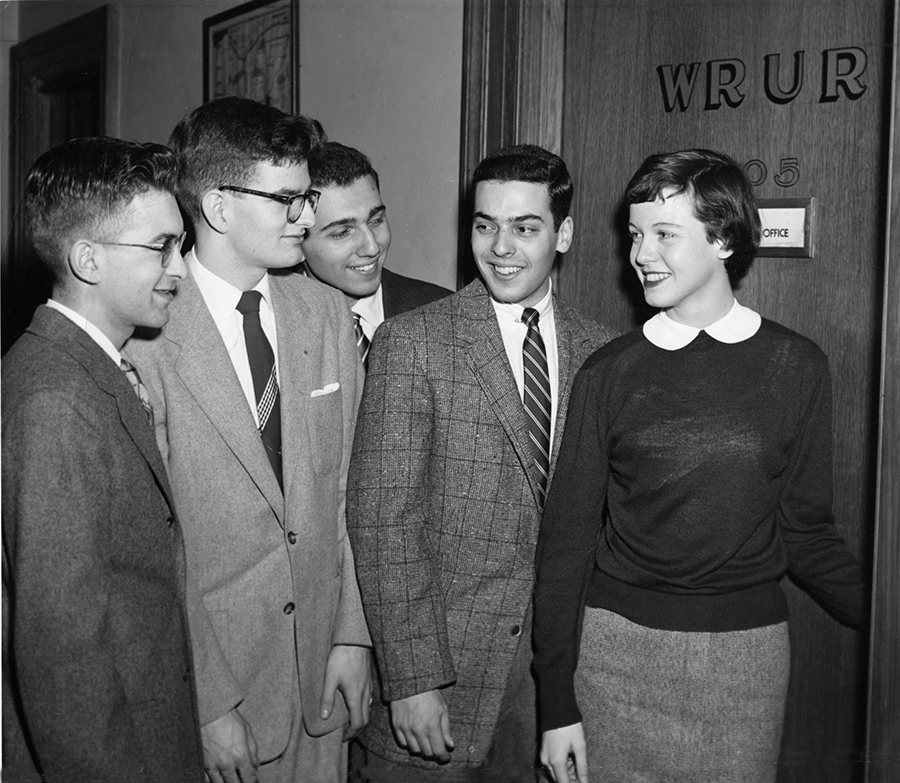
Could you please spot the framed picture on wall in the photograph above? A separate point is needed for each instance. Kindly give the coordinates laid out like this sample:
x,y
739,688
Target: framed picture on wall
x,y
252,51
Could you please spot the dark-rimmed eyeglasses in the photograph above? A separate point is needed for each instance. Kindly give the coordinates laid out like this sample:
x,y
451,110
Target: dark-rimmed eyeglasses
x,y
295,203
166,249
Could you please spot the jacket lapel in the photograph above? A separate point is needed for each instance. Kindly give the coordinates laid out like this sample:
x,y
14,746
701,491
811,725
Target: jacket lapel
x,y
294,354
110,379
204,367
486,356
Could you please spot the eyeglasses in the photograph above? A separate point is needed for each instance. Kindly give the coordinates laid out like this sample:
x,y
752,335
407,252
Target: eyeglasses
x,y
166,249
295,203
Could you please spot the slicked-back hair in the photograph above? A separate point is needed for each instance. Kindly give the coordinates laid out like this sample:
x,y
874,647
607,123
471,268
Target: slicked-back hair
x,y
79,189
334,164
222,142
530,163
721,196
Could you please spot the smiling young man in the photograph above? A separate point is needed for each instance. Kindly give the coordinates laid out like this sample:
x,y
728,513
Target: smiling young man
x,y
257,379
347,247
96,657
451,463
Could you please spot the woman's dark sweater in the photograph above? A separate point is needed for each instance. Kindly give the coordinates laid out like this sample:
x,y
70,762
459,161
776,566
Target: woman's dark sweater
x,y
711,468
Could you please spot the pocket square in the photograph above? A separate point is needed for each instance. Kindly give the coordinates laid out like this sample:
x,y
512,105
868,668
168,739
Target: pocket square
x,y
329,389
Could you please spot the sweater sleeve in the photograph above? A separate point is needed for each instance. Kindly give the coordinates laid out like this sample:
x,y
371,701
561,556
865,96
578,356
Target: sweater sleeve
x,y
817,556
565,554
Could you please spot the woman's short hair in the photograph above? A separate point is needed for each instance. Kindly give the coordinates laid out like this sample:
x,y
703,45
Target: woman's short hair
x,y
721,196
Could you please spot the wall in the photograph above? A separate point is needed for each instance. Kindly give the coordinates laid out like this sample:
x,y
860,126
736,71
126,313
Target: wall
x,y
615,116
383,75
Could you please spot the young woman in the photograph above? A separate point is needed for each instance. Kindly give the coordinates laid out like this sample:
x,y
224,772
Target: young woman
x,y
694,471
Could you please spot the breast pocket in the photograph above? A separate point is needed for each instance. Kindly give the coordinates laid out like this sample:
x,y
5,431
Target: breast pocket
x,y
325,424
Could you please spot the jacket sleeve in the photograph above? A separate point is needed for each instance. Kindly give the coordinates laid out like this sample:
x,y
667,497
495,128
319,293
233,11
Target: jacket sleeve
x,y
386,517
350,622
218,691
56,514
817,555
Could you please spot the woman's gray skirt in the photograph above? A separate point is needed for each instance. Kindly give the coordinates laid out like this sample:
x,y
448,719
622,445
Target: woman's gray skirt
x,y
667,706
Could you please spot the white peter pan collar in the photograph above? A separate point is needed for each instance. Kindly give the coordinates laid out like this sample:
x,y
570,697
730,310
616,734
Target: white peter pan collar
x,y
739,324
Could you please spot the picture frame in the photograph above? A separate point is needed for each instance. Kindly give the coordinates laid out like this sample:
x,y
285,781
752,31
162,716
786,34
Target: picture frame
x,y
252,51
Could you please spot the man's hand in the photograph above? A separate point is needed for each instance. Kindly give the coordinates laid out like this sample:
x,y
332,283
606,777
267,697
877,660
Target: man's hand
x,y
422,725
229,750
348,671
564,754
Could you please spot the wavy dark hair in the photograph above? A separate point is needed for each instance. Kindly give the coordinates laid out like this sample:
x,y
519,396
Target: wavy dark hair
x,y
530,163
337,164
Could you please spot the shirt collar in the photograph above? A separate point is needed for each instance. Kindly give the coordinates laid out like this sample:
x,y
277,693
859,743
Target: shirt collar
x,y
738,324
222,298
370,308
94,332
513,312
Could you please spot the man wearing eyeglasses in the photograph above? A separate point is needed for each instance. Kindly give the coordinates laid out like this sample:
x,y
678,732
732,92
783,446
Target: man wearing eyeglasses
x,y
258,380
97,681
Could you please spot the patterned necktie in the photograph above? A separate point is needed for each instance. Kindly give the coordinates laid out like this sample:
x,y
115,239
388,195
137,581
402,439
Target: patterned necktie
x,y
537,396
265,379
139,389
362,342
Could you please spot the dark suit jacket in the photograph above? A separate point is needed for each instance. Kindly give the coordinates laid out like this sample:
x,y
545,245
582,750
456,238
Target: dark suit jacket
x,y
443,508
400,294
97,680
274,568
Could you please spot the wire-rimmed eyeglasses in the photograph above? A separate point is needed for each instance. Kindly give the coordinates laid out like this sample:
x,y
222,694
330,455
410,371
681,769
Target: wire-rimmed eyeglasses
x,y
166,249
294,203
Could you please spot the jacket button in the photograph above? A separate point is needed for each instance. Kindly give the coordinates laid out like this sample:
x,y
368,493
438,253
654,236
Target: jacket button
x,y
292,537
470,749
516,630
288,608
170,521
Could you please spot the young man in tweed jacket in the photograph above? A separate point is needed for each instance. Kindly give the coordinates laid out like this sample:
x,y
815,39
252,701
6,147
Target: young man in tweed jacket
x,y
445,491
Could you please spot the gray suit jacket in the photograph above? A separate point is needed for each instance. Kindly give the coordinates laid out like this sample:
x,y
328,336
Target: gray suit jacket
x,y
443,508
275,570
401,294
96,659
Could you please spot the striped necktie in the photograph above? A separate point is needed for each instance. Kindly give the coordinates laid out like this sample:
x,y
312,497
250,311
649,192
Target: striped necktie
x,y
362,342
265,379
537,397
139,389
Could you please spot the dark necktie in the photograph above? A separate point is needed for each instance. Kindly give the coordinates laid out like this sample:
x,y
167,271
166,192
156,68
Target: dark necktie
x,y
139,389
362,342
265,379
537,396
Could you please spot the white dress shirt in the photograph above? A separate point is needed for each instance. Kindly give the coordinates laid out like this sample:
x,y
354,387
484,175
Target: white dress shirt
x,y
513,331
222,298
370,310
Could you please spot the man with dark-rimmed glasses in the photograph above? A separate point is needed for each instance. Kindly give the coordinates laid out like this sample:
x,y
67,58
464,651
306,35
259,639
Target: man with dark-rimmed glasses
x,y
257,380
96,655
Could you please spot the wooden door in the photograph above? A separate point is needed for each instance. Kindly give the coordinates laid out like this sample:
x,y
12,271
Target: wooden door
x,y
796,90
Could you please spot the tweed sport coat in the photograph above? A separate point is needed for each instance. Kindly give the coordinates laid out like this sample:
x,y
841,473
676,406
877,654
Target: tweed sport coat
x,y
97,684
443,509
274,569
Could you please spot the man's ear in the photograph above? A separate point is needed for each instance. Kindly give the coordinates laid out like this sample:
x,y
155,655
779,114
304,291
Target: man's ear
x,y
85,260
565,234
212,207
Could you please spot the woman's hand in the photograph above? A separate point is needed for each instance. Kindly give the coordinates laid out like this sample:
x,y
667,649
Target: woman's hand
x,y
564,754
